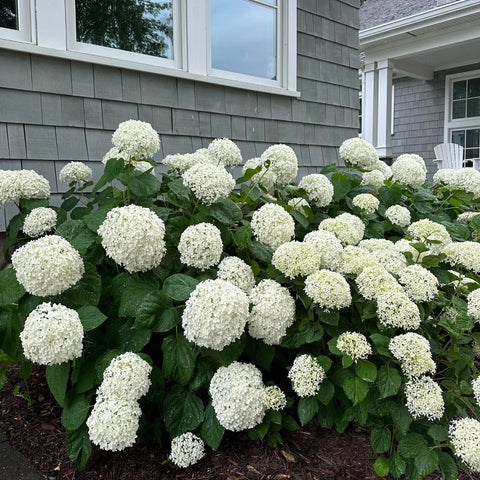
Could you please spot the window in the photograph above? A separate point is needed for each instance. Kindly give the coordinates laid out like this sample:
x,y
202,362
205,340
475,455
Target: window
x,y
469,139
9,14
15,20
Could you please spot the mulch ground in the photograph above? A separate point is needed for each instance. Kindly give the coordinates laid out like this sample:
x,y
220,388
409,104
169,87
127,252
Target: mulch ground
x,y
311,454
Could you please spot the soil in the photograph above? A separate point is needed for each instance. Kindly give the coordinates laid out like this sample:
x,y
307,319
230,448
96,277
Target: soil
x,y
311,454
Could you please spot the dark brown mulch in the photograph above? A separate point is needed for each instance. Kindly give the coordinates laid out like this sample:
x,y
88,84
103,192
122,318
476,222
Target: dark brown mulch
x,y
313,453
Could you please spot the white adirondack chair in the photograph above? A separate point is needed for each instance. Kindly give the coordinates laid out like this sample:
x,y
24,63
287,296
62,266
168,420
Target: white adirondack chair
x,y
449,155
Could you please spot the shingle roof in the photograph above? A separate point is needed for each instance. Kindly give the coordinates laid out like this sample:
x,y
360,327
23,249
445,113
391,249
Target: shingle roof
x,y
377,12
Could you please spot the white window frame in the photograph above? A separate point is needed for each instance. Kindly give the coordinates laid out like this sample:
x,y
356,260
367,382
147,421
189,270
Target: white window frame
x,y
25,12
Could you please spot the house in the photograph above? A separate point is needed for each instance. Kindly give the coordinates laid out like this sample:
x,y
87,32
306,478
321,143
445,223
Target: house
x,y
421,76
256,71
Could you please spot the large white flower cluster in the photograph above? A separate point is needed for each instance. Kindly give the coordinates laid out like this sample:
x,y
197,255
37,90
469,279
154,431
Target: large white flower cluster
x,y
355,345
200,246
295,259
413,352
319,189
208,182
306,375
181,162
407,170
274,398
215,314
385,169
329,247
464,253
348,228
136,139
464,434
127,377
354,259
375,178
424,398
133,237
47,266
186,449
357,151
75,172
52,334
366,201
390,258
466,217
236,271
328,289
414,156
395,309
419,283
265,177
39,221
273,311
398,215
467,179
374,282
273,225
238,396
16,185
283,163
426,231
223,151
473,305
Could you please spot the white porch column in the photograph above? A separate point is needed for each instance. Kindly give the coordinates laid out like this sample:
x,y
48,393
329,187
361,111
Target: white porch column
x,y
370,104
384,118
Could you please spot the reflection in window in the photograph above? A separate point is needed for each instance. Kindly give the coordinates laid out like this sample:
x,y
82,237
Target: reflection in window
x,y
469,139
141,26
244,37
9,14
466,98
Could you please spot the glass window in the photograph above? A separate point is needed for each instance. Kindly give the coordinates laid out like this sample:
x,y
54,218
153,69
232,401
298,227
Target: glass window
x,y
140,26
466,99
244,37
469,139
9,14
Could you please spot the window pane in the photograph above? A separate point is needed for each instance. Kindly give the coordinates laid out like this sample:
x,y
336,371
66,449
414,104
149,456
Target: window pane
x,y
458,137
473,107
459,90
471,153
140,26
244,37
458,110
474,87
473,138
9,14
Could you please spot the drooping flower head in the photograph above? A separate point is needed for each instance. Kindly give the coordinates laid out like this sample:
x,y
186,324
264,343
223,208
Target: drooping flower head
x,y
465,437
306,375
39,221
319,189
223,151
16,185
295,259
236,271
200,246
357,151
273,225
328,289
424,398
283,163
413,352
75,172
186,449
355,345
137,139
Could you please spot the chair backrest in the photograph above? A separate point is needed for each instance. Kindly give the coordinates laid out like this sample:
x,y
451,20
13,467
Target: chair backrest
x,y
450,154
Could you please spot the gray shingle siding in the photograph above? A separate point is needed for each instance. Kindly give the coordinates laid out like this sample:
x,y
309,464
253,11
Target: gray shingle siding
x,y
55,110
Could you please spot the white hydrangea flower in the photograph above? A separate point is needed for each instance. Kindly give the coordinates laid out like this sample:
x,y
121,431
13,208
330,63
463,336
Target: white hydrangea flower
x,y
298,203
443,175
136,139
354,259
359,152
319,189
473,305
295,259
133,237
466,217
414,156
476,389
465,437
113,423
52,334
395,309
75,172
208,182
139,165
355,345
398,215
413,352
273,311
224,152
348,228
39,221
464,253
329,247
238,396
306,375
426,231
419,283
283,162
180,163
200,246
375,178
367,202
215,314
375,244
126,377
424,398
236,271
404,246
385,169
273,225
47,266
467,179
391,259
328,289
374,282
16,185
265,177
274,398
408,171
186,449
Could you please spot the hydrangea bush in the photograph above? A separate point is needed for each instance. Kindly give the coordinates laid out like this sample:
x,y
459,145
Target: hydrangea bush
x,y
176,306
